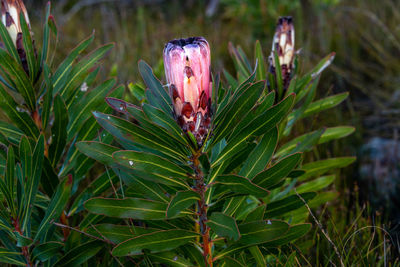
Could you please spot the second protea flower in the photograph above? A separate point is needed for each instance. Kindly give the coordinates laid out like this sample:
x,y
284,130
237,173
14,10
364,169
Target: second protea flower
x,y
10,17
283,45
187,65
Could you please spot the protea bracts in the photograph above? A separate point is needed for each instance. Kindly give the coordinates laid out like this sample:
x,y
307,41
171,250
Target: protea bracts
x,y
283,45
10,17
187,65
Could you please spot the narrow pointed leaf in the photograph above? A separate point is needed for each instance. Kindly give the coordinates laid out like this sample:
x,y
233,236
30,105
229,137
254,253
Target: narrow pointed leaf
x,y
322,166
261,155
224,225
154,242
33,63
134,208
118,233
281,207
258,126
182,200
273,175
155,87
56,206
45,251
153,164
21,118
19,78
240,184
59,130
33,181
80,254
98,151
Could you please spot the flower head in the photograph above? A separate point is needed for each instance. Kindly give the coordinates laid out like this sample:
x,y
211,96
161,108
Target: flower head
x,y
187,65
10,13
283,44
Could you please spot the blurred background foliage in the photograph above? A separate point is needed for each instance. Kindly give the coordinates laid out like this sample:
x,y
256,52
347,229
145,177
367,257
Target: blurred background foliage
x,y
365,34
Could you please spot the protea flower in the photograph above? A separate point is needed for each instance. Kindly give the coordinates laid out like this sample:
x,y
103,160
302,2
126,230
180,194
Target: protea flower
x,y
283,43
10,17
187,65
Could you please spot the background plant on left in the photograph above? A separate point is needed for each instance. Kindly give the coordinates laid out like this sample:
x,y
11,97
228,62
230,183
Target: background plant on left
x,y
40,168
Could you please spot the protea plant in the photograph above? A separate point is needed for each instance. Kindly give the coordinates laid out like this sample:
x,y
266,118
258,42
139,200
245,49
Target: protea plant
x,y
187,67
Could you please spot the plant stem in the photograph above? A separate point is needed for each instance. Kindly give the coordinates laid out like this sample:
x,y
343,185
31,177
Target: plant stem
x,y
25,250
201,188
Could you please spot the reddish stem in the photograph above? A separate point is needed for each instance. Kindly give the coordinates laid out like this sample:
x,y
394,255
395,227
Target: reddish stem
x,y
201,188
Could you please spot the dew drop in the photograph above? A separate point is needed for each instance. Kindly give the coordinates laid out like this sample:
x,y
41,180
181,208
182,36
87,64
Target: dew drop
x,y
131,162
269,222
108,117
175,258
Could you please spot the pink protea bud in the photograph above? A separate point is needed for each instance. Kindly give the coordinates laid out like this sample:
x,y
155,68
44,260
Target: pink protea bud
x,y
10,12
283,44
10,17
187,65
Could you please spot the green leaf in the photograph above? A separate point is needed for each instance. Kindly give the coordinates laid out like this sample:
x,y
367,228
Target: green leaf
x,y
167,172
129,133
239,184
261,69
295,232
281,207
224,225
145,187
83,66
46,251
8,43
261,155
256,215
48,97
316,184
81,111
322,166
273,175
242,104
182,200
171,259
328,135
156,89
58,131
19,78
22,241
57,204
20,118
118,233
278,75
10,173
154,242
98,151
255,233
32,184
258,256
80,254
11,257
240,63
134,208
33,64
12,133
46,36
258,126
61,75
165,120
324,104
335,133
